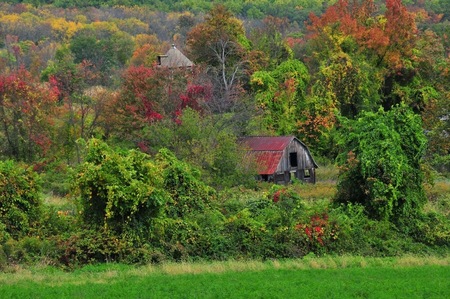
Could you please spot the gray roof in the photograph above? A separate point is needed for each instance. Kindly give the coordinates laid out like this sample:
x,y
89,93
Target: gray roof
x,y
174,58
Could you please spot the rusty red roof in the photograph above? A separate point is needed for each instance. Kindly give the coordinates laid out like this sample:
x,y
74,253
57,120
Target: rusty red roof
x,y
259,143
266,151
267,161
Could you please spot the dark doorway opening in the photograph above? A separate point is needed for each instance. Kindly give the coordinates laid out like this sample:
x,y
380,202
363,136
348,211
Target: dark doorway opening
x,y
293,159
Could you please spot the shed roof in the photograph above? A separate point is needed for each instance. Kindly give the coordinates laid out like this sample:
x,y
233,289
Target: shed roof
x,y
267,161
174,58
268,151
264,143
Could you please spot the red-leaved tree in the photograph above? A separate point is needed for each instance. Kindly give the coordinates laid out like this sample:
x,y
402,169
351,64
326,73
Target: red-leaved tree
x,y
26,115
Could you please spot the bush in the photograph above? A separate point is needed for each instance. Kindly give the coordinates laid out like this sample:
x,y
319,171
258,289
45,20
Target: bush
x,y
54,221
431,229
3,259
28,250
120,192
246,234
90,247
56,177
20,203
358,234
187,193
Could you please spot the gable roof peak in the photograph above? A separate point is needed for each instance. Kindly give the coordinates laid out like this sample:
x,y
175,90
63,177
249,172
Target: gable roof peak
x,y
174,58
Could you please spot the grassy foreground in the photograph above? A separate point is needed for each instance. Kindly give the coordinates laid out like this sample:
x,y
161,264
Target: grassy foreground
x,y
328,277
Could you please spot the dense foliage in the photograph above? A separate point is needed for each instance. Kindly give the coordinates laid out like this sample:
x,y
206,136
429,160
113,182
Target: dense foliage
x,y
381,160
20,201
119,192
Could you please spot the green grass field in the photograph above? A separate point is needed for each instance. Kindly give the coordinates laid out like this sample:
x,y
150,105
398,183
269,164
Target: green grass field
x,y
339,277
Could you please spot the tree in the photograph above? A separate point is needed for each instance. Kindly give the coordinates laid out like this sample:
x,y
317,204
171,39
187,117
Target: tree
x,y
381,164
79,108
202,140
26,110
104,48
387,41
220,43
148,95
148,47
280,94
363,57
269,39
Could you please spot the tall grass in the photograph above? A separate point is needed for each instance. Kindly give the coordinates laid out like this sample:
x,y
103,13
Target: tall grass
x,y
98,273
335,277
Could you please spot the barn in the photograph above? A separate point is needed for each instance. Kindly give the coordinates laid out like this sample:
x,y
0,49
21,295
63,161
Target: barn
x,y
280,159
174,59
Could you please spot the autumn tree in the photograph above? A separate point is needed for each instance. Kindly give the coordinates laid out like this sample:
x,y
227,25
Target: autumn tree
x,y
150,94
221,45
25,111
79,107
387,43
363,57
148,47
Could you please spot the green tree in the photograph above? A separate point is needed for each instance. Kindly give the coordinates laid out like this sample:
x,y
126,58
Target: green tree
x,y
205,142
103,48
381,163
280,94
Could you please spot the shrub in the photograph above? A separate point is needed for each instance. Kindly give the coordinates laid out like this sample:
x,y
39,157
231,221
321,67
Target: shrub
x,y
54,221
317,232
120,192
20,201
247,235
56,177
91,246
3,259
29,250
187,193
431,229
358,234
174,237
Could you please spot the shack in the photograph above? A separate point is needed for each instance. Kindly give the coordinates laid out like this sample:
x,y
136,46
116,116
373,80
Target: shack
x,y
174,59
280,159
